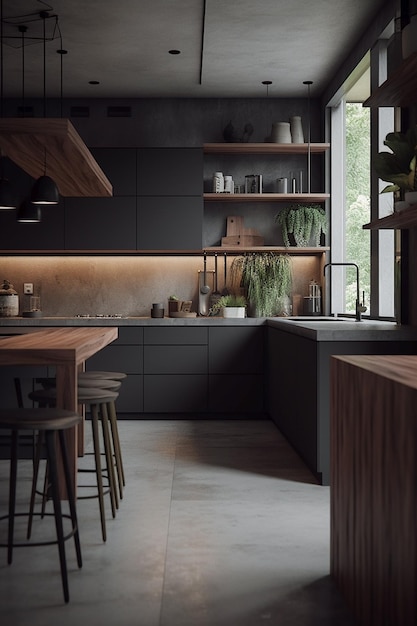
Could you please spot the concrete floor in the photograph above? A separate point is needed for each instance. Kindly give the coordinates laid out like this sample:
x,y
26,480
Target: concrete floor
x,y
220,524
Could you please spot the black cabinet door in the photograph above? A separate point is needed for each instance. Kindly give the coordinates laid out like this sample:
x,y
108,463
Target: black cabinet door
x,y
170,172
119,165
170,223
100,223
236,350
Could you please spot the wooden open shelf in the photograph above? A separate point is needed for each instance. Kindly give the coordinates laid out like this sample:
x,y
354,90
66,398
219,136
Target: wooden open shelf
x,y
292,250
400,87
26,141
401,220
265,148
266,197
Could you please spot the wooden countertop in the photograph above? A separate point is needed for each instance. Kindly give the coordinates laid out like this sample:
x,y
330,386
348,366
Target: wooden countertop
x,y
401,368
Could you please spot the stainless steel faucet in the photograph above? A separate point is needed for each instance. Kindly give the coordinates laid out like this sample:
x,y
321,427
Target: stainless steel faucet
x,y
359,308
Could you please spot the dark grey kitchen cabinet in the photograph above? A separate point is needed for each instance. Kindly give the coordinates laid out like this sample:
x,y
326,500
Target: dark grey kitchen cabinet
x,y
119,165
100,223
175,369
170,198
298,389
170,171
236,369
125,354
169,223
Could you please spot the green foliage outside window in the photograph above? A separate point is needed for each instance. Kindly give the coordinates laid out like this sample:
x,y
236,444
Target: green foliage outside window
x,y
357,201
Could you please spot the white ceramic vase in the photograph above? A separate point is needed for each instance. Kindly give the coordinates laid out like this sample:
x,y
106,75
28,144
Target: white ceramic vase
x,y
296,126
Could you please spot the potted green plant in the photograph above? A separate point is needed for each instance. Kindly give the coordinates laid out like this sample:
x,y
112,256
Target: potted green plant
x,y
230,305
303,222
398,167
266,279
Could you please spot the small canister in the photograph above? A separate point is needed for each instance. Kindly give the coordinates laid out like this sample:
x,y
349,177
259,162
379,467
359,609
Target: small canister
x,y
229,186
218,182
9,300
282,185
157,310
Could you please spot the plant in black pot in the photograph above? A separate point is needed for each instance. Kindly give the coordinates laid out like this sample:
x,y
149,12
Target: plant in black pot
x,y
266,279
303,223
398,167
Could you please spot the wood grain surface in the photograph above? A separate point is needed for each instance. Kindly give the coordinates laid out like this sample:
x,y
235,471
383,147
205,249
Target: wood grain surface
x,y
374,486
28,141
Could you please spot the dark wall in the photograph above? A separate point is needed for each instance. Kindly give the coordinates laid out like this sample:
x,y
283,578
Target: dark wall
x,y
174,121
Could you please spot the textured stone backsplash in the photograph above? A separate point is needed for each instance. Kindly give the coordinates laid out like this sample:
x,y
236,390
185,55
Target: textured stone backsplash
x,y
128,286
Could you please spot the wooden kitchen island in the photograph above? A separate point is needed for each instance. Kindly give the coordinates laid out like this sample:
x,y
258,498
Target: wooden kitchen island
x,y
374,486
65,349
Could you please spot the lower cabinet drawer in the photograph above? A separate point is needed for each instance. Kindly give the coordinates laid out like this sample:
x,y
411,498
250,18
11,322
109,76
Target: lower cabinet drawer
x,y
130,398
175,393
234,393
175,359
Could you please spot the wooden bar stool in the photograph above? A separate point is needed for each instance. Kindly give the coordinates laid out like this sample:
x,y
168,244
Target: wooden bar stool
x,y
103,380
51,422
97,401
92,382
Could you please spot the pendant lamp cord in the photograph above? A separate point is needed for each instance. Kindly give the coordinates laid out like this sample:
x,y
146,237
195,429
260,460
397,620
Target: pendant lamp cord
x,y
23,29
44,15
1,58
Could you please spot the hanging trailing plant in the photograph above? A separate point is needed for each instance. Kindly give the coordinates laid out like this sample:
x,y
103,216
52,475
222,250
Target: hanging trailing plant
x,y
303,222
266,279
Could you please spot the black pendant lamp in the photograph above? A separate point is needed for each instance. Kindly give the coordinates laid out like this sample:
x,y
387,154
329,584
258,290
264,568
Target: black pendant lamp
x,y
29,212
44,191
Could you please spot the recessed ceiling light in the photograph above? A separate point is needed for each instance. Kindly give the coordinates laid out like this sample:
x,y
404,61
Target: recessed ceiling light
x,y
174,51
93,82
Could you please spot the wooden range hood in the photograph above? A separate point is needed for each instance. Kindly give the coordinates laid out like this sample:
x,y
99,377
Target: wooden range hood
x,y
68,160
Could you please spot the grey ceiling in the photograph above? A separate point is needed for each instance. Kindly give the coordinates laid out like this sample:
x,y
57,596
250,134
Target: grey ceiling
x,y
124,45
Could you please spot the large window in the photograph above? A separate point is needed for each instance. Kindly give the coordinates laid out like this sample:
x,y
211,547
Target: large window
x,y
358,202
356,132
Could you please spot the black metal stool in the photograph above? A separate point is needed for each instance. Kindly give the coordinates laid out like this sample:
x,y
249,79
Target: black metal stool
x,y
51,422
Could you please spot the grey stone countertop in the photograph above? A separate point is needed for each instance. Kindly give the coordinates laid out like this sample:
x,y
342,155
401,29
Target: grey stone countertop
x,y
318,329
344,329
40,322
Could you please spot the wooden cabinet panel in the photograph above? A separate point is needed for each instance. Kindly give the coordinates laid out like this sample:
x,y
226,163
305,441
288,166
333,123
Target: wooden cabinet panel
x,y
175,393
100,223
170,171
170,223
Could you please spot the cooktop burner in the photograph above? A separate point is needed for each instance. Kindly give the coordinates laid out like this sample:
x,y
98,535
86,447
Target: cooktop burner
x,y
101,315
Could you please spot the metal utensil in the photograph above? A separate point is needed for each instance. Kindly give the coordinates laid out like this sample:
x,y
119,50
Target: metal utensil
x,y
225,290
204,287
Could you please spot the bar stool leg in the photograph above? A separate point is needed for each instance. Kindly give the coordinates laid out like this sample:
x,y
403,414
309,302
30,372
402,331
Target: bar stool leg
x,y
53,473
96,445
71,496
117,447
12,496
109,458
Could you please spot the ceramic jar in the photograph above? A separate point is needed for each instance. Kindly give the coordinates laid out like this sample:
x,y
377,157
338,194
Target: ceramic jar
x,y
296,127
281,132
